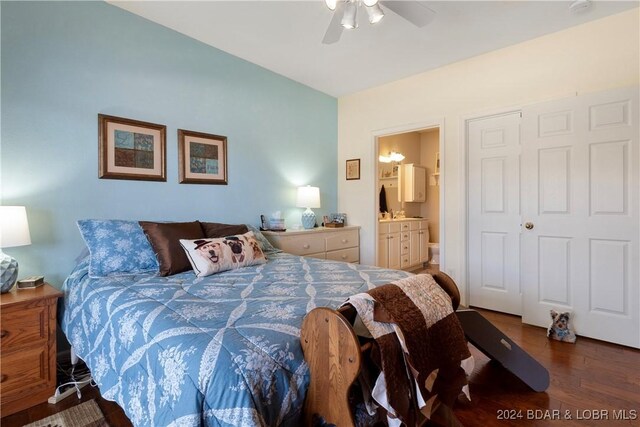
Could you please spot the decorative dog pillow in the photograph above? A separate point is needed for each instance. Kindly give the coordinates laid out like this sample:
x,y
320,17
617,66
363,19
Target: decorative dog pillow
x,y
209,256
560,329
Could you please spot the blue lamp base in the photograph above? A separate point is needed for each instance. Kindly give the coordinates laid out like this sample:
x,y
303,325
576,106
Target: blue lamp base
x,y
8,272
308,219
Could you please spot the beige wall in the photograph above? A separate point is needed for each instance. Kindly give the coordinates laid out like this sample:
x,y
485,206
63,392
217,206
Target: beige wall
x,y
599,55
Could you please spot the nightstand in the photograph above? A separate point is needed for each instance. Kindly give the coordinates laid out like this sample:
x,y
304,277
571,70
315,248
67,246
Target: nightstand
x,y
27,347
338,244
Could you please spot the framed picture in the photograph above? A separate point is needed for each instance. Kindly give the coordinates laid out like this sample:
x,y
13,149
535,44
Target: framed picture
x,y
353,169
131,149
202,158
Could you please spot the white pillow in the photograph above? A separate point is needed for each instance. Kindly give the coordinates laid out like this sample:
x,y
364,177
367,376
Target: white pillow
x,y
210,256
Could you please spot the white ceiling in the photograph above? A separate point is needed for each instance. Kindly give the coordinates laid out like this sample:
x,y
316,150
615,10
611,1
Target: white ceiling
x,y
285,36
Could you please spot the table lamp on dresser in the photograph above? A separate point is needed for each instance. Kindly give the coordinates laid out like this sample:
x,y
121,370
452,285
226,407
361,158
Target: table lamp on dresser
x,y
308,197
14,231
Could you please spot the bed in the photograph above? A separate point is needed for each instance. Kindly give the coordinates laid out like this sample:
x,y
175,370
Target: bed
x,y
221,350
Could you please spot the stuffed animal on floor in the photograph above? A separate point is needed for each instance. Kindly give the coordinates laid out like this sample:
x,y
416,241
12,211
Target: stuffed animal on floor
x,y
559,328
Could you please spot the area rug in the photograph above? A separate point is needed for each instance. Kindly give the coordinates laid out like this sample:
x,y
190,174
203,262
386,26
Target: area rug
x,y
86,414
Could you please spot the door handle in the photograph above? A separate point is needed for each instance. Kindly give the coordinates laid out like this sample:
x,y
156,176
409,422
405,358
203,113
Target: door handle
x,y
528,225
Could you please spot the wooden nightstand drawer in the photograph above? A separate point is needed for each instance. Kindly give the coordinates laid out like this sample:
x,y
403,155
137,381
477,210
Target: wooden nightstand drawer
x,y
23,371
28,354
342,240
19,325
302,245
346,255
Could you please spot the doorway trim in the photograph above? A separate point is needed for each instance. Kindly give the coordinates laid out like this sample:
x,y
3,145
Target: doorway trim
x,y
436,122
463,177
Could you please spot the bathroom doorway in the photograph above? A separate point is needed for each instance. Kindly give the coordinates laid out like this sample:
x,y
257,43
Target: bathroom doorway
x,y
409,196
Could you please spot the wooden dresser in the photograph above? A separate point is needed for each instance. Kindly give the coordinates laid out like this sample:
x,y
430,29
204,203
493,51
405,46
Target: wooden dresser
x,y
338,244
27,347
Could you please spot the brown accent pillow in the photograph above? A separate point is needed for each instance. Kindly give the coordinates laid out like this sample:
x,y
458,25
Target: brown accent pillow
x,y
214,230
165,241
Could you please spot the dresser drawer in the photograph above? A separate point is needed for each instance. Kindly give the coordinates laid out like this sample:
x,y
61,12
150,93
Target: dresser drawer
x,y
405,226
415,225
319,255
404,236
346,255
342,240
20,326
303,244
23,372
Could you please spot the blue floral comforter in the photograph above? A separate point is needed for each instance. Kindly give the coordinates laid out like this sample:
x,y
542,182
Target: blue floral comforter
x,y
221,350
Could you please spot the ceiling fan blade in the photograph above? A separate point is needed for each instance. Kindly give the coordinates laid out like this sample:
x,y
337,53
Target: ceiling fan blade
x,y
416,12
334,31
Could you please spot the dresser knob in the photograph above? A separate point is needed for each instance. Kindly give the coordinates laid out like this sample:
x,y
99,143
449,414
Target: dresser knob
x,y
344,257
344,240
3,378
3,333
306,246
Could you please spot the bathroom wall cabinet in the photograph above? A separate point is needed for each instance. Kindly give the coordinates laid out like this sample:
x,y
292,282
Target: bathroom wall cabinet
x,y
414,183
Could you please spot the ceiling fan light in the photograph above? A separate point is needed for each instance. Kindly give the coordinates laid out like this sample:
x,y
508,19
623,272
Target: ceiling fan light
x,y
370,3
349,18
375,13
331,4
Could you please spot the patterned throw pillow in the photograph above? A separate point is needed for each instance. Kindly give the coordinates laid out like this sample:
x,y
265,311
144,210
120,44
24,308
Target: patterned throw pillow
x,y
209,256
117,247
265,245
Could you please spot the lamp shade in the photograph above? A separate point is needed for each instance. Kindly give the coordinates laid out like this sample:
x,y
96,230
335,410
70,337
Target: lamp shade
x,y
14,228
308,197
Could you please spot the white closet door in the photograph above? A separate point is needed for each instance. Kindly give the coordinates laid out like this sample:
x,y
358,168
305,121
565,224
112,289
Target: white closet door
x,y
581,192
494,213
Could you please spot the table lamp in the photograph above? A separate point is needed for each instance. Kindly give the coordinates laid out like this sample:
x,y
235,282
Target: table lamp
x,y
14,231
308,197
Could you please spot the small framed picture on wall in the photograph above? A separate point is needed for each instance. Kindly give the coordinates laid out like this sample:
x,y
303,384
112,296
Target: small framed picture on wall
x,y
131,149
353,169
202,158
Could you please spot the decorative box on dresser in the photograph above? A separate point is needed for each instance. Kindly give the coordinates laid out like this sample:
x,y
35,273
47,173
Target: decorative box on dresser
x,y
338,244
27,347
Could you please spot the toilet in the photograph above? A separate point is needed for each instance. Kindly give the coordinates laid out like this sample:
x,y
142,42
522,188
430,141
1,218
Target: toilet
x,y
434,253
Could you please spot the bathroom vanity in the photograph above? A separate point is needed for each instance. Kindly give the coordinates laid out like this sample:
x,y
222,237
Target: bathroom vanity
x,y
403,243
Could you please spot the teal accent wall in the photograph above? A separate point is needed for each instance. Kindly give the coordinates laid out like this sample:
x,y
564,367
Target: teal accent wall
x,y
64,62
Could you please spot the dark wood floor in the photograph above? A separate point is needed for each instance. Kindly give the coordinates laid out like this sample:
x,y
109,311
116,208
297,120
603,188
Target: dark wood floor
x,y
586,377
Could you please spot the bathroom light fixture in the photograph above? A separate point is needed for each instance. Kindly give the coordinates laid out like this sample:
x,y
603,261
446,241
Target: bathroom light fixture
x,y
392,157
14,231
308,197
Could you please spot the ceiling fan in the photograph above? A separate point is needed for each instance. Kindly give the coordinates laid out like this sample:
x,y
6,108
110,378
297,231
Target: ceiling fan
x,y
346,11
